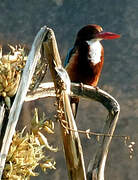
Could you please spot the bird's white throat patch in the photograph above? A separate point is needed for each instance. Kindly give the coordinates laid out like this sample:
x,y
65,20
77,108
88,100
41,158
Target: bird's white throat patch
x,y
94,51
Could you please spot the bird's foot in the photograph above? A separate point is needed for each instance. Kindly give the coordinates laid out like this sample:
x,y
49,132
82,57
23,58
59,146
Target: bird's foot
x,y
96,88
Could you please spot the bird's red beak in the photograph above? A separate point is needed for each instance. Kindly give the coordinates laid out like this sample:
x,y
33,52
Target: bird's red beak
x,y
107,35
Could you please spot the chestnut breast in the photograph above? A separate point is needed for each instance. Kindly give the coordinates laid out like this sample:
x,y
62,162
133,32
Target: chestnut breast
x,y
86,63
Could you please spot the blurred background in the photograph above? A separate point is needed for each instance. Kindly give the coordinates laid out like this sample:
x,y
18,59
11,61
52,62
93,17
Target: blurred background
x,y
19,23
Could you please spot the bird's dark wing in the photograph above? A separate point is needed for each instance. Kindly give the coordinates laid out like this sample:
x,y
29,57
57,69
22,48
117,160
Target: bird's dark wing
x,y
69,54
73,100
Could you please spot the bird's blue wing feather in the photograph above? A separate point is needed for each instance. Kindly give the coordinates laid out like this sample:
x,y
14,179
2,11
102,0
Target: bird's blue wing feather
x,y
70,52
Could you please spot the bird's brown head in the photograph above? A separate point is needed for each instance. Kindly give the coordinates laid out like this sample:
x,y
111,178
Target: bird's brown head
x,y
93,31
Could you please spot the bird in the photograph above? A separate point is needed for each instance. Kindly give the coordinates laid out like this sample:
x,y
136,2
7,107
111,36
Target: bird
x,y
85,60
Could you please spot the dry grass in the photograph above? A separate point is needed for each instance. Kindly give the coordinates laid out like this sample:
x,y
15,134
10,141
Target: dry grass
x,y
29,151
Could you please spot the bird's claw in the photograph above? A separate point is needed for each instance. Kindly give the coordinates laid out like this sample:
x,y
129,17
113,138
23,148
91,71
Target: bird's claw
x,y
97,88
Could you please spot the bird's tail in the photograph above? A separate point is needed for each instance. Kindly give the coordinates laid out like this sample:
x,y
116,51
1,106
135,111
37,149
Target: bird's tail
x,y
74,101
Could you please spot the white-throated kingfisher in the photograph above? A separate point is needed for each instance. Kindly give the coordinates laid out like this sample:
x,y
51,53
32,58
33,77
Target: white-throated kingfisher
x,y
85,60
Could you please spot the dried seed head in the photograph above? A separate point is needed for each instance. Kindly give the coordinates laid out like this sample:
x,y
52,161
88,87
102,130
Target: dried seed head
x,y
11,66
